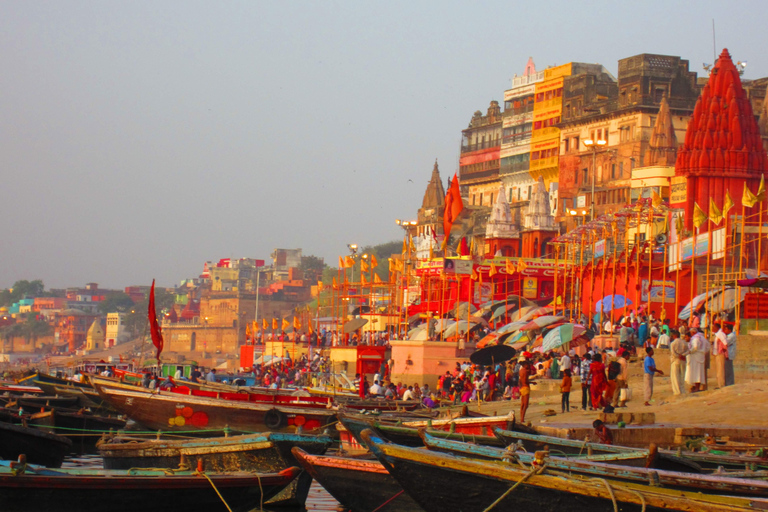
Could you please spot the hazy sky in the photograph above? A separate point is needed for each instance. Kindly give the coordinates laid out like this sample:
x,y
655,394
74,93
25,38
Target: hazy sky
x,y
140,139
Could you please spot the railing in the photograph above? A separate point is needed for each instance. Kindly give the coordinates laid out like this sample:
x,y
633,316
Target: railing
x,y
512,168
516,137
488,144
543,163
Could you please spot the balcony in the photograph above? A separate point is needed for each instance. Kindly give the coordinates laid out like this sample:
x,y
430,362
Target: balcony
x,y
477,146
513,168
543,163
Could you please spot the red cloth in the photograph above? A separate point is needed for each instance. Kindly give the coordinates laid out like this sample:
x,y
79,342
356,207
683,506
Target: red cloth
x,y
599,382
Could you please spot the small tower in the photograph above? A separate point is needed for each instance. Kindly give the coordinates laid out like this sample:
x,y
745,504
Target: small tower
x,y
430,215
539,223
663,144
501,235
94,340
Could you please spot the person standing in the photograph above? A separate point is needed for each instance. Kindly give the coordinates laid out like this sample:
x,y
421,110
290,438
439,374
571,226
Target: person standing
x,y
678,351
695,373
650,370
565,390
599,380
565,362
720,353
730,336
586,381
621,380
525,386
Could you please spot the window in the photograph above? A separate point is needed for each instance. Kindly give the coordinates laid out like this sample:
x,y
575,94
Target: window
x,y
491,198
613,171
576,143
510,195
621,169
529,192
585,176
481,199
567,145
474,197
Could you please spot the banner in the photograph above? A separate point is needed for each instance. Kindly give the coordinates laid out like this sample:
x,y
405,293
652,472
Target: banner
x,y
483,292
599,249
530,287
457,266
657,286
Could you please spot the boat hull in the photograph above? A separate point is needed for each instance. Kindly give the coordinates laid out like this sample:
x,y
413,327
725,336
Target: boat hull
x,y
39,447
56,491
469,485
265,453
359,485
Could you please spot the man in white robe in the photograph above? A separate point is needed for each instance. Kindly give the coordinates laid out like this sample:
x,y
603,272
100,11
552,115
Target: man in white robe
x,y
696,373
678,351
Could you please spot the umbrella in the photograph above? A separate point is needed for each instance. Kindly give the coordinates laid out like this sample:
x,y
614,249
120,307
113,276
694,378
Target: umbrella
x,y
418,335
689,308
519,301
493,354
757,282
502,310
354,324
520,313
459,327
725,301
413,332
269,360
559,336
416,318
514,338
611,302
361,309
536,312
542,321
511,327
489,339
463,309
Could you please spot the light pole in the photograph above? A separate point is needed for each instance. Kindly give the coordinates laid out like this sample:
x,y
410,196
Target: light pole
x,y
593,145
406,225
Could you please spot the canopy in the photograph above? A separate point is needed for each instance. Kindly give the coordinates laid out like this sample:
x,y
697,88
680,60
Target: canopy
x,y
536,312
757,282
689,308
511,327
520,313
463,309
611,302
726,300
542,321
354,324
561,335
459,327
269,360
502,309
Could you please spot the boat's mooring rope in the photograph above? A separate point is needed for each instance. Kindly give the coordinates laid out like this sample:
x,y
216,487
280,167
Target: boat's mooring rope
x,y
217,491
613,497
534,471
388,501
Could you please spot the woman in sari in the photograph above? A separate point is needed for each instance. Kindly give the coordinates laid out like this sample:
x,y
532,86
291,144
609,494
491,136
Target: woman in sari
x,y
599,381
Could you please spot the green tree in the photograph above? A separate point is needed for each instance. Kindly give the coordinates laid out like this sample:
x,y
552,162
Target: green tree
x,y
116,303
312,267
32,328
22,289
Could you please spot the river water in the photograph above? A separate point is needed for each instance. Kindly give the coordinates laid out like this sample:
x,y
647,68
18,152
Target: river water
x,y
318,500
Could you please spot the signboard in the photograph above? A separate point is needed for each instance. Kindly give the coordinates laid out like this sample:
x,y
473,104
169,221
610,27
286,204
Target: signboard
x,y
678,190
581,201
661,291
673,257
718,244
599,249
701,246
457,266
530,287
483,292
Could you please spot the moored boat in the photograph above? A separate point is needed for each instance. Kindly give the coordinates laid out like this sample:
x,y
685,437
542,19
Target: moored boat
x,y
268,452
471,485
163,410
82,427
360,485
40,447
24,488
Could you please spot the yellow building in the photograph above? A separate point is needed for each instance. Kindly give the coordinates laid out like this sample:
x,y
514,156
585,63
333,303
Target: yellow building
x,y
545,136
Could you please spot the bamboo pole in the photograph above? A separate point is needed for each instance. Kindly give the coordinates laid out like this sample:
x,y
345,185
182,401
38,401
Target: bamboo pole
x,y
626,262
678,270
573,284
592,280
759,252
614,230
741,262
693,272
639,248
581,277
557,253
602,280
710,253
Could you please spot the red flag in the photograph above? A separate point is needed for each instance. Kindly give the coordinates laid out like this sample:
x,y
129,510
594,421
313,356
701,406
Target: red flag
x,y
463,248
157,335
453,207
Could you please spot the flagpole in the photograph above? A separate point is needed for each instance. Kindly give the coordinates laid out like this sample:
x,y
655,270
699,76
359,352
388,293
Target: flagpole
x,y
602,279
693,269
573,281
678,270
581,277
639,248
725,262
614,230
592,279
557,252
708,312
627,254
741,262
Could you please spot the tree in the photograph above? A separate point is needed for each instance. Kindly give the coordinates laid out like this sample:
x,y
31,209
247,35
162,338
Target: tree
x,y
116,303
33,328
312,267
21,290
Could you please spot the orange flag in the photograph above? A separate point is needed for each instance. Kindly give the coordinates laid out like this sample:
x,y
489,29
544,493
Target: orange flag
x,y
296,324
376,279
341,262
349,261
374,263
453,207
265,323
363,281
492,272
286,324
274,324
509,267
522,265
320,286
363,266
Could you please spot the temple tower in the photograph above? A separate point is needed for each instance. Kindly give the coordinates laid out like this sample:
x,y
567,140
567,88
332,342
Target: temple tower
x,y
539,224
94,340
723,149
501,235
430,215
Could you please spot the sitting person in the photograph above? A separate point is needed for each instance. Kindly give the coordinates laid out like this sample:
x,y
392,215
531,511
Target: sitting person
x,y
602,432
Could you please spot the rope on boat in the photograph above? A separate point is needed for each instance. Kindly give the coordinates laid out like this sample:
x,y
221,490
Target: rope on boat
x,y
610,491
217,491
534,471
388,501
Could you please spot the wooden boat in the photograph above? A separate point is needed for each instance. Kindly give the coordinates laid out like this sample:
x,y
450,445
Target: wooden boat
x,y
360,485
82,427
473,485
84,490
698,460
37,401
409,436
585,463
163,410
269,452
40,447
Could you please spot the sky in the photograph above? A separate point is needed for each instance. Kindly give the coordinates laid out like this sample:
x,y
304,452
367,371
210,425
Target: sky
x,y
139,139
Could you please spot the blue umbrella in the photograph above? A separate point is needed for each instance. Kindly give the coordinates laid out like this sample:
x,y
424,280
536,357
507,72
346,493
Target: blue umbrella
x,y
611,302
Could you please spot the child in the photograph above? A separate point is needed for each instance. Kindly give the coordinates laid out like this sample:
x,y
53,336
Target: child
x,y
565,389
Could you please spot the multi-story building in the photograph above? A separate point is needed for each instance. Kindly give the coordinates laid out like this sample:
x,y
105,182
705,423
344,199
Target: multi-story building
x,y
480,157
606,130
116,331
517,124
